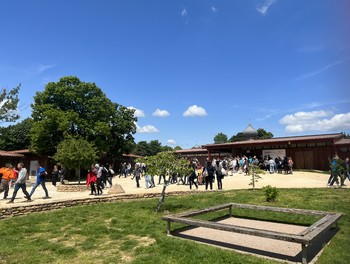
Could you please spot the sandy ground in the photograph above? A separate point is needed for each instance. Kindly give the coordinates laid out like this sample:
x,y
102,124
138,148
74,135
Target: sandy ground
x,y
236,181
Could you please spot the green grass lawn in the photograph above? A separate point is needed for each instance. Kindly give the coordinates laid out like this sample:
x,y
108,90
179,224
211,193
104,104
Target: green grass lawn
x,y
131,232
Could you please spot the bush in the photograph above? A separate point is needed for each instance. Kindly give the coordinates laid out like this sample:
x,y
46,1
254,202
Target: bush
x,y
271,193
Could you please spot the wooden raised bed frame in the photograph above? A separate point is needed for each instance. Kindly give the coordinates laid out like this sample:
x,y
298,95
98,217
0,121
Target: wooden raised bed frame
x,y
305,238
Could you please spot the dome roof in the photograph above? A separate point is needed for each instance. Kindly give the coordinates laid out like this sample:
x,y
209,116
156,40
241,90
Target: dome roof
x,y
250,131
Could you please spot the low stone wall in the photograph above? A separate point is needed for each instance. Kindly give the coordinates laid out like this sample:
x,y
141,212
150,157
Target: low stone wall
x,y
72,188
54,205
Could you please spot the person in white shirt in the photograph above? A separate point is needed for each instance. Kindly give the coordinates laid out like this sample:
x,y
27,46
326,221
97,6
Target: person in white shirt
x,y
21,183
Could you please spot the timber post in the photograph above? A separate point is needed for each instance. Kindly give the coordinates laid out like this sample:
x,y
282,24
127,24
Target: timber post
x,y
303,253
168,228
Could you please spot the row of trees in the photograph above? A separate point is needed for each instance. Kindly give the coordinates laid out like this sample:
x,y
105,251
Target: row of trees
x,y
75,123
222,138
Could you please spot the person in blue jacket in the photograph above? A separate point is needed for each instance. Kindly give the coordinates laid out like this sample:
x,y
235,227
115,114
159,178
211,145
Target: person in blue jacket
x,y
40,180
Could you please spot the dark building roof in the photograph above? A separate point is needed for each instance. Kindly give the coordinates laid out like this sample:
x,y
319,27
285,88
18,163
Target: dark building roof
x,y
13,154
297,139
344,141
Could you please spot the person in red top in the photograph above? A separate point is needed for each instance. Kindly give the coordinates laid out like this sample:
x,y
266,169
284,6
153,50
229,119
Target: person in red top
x,y
7,175
91,179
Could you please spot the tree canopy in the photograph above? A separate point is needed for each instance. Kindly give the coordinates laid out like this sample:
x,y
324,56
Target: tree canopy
x,y
71,108
151,148
220,138
15,137
262,134
76,153
9,104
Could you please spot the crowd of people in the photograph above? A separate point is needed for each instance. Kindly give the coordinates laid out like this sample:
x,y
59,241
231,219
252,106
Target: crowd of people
x,y
100,176
17,177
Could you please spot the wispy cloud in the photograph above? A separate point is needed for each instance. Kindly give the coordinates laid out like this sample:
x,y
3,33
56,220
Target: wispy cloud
x,y
161,113
311,49
195,110
265,6
214,9
323,69
320,120
138,112
184,14
42,67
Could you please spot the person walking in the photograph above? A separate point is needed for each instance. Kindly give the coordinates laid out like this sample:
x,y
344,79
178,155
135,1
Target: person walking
x,y
7,176
91,180
62,174
21,183
137,174
99,183
110,174
193,175
40,180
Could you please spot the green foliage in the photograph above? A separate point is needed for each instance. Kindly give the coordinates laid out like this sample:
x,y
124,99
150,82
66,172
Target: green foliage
x,y
71,107
8,104
338,170
166,163
144,148
15,137
262,134
254,172
177,148
271,193
220,138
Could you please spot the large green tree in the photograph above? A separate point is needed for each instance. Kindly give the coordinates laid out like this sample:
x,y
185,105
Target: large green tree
x,y
76,153
220,138
262,134
9,104
71,107
15,137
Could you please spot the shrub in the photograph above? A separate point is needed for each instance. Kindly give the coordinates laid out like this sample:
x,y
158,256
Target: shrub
x,y
271,193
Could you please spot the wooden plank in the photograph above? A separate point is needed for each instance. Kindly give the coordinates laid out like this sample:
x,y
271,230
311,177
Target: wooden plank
x,y
315,225
314,234
239,229
204,211
279,209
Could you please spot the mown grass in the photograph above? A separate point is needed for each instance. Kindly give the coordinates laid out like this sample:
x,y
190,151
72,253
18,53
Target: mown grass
x,y
131,232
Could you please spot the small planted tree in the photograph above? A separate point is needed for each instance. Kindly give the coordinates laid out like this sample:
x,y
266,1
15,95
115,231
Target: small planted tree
x,y
165,164
338,170
254,171
76,153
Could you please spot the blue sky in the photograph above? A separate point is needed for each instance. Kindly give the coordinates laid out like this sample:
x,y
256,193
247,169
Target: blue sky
x,y
190,68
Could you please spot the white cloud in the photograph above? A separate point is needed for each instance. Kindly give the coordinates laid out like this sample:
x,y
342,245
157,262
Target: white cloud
x,y
146,129
138,112
161,113
316,121
195,110
264,7
214,9
171,142
325,68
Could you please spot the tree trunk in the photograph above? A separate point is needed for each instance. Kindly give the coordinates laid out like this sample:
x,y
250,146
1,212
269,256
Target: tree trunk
x,y
77,174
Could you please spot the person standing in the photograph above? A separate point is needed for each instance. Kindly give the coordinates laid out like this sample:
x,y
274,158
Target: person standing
x,y
110,174
7,176
99,183
193,175
54,175
219,176
208,172
21,183
40,180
